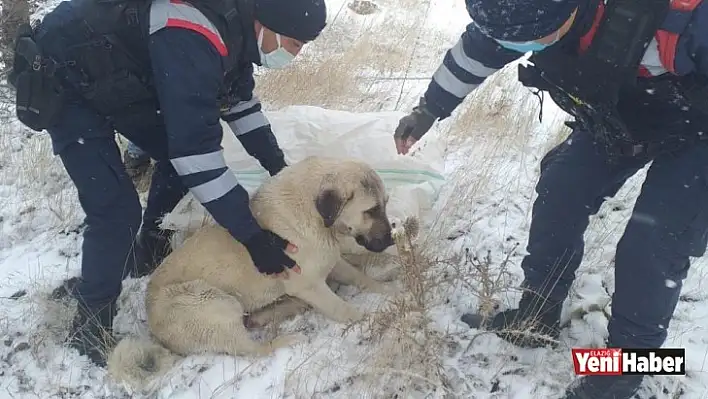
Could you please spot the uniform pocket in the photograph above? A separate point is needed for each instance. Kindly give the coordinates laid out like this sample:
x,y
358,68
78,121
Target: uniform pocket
x,y
110,81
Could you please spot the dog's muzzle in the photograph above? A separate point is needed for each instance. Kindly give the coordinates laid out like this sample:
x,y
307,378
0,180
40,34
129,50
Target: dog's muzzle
x,y
375,244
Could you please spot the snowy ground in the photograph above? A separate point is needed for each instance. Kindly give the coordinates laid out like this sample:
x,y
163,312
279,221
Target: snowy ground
x,y
377,62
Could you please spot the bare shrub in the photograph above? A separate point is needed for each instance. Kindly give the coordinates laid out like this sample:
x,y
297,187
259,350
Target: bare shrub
x,y
405,353
14,14
336,70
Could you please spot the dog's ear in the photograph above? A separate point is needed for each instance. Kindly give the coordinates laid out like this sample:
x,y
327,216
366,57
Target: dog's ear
x,y
329,204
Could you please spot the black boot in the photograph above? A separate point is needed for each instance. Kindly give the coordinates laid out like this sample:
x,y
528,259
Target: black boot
x,y
67,288
535,323
150,250
605,387
92,332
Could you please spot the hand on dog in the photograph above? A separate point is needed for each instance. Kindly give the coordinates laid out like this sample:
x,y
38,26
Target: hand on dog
x,y
291,249
269,253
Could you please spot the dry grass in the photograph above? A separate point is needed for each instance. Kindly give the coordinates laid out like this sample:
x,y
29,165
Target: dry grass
x,y
403,352
38,181
500,110
340,68
406,316
480,276
498,122
33,328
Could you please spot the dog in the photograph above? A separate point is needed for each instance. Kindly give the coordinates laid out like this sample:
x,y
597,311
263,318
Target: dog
x,y
197,296
383,266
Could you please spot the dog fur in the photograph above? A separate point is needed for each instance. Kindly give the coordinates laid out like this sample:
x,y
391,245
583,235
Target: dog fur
x,y
381,266
196,298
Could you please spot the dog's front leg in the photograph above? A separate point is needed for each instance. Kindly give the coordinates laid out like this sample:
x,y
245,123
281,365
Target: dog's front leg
x,y
346,273
381,267
321,297
276,312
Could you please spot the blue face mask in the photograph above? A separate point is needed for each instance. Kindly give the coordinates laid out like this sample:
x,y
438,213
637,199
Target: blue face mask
x,y
524,47
276,59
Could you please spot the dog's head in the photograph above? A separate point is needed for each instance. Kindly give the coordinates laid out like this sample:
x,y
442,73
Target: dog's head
x,y
352,200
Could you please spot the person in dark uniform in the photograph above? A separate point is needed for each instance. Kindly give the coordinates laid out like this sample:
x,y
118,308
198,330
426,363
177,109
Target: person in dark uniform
x,y
636,96
162,73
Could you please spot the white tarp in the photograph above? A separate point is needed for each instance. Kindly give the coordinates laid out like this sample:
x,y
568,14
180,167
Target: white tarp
x,y
413,180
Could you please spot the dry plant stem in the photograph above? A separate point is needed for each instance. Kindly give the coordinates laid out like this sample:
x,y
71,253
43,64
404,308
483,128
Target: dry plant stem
x,y
415,267
14,14
491,283
406,349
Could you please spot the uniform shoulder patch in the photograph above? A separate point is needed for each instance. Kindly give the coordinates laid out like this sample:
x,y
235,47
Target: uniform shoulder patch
x,y
179,14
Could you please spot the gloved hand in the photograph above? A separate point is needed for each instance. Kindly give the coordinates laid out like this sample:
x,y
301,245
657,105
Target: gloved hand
x,y
275,169
267,251
413,126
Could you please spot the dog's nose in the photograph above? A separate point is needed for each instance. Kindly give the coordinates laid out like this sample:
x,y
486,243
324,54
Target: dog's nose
x,y
388,240
380,244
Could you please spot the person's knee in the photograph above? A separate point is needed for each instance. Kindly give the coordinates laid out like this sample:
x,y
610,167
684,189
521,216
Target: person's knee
x,y
651,263
665,229
641,316
562,207
166,179
106,192
625,332
648,278
78,124
563,167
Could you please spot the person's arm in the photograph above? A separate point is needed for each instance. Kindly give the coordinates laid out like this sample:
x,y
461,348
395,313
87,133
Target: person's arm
x,y
188,72
253,130
465,66
692,47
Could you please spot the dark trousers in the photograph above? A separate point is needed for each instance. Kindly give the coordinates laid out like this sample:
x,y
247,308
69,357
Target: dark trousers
x,y
669,223
85,142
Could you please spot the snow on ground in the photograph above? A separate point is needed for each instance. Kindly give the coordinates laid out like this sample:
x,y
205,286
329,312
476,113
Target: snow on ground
x,y
376,62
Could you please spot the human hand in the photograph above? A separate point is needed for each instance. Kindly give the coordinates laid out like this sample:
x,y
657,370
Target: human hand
x,y
268,252
412,127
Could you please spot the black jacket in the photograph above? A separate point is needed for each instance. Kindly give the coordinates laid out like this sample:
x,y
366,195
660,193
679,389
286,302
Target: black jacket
x,y
195,69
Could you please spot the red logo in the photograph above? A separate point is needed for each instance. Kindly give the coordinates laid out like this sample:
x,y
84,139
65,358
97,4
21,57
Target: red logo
x,y
597,361
618,361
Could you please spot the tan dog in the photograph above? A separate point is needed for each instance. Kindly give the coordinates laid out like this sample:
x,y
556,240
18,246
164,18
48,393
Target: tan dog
x,y
385,267
196,298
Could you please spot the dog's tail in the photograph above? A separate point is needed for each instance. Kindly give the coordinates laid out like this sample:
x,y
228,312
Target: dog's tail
x,y
138,361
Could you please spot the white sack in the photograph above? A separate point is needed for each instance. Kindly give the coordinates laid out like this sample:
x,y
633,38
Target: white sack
x,y
413,181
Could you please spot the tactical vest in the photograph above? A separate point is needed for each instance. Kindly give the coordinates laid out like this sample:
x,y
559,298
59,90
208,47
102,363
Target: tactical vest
x,y
598,78
107,54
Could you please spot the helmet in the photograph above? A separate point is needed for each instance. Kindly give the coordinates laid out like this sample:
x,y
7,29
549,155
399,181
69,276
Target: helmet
x,y
520,20
301,20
